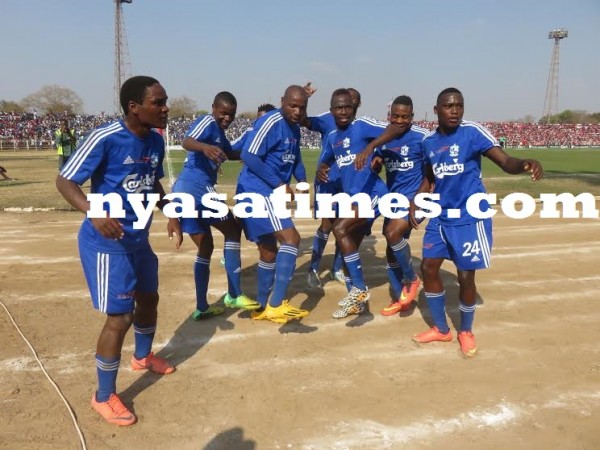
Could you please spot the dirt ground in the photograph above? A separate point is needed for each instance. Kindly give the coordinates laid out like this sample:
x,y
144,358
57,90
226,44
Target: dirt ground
x,y
355,383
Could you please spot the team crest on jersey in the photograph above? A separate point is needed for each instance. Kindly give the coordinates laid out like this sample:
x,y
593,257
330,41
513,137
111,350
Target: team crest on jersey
x,y
136,183
404,150
128,160
345,160
454,150
218,140
346,143
154,160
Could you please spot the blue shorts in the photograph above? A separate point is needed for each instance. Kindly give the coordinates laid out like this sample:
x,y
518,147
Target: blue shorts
x,y
255,228
331,187
114,278
468,246
196,225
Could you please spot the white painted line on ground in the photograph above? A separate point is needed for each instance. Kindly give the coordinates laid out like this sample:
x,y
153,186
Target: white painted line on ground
x,y
361,433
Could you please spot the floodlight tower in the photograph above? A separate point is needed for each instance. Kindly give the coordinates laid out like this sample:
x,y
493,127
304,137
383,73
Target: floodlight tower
x,y
122,62
551,101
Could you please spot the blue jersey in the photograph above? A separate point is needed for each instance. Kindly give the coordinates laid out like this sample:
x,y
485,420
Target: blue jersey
x,y
238,144
404,162
342,146
456,163
324,124
118,161
197,167
277,144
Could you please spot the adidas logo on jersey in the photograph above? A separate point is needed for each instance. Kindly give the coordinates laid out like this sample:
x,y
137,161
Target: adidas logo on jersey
x,y
129,160
475,259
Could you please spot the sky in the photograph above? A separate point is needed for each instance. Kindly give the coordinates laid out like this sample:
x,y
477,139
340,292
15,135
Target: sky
x,y
497,52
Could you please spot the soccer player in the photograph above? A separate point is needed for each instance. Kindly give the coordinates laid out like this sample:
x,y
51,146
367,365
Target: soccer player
x,y
121,270
238,143
324,124
403,160
341,147
207,149
453,162
271,156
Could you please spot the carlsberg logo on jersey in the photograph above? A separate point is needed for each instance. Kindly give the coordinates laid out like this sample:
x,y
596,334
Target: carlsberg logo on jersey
x,y
444,169
288,158
135,183
399,166
345,160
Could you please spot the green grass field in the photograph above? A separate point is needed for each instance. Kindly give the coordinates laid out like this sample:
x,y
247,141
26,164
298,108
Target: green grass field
x,y
572,171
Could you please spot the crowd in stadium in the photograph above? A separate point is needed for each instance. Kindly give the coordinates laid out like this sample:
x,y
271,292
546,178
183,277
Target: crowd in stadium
x,y
39,131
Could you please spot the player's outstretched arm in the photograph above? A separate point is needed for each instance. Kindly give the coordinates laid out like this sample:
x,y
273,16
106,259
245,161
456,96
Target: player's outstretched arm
x,y
390,133
515,166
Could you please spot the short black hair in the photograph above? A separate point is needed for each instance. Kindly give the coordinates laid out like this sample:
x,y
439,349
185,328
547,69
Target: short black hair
x,y
134,89
226,98
450,90
338,92
403,100
265,107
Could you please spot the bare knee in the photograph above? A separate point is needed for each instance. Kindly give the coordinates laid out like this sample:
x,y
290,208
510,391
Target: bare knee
x,y
289,236
326,226
118,323
430,268
268,253
204,243
392,235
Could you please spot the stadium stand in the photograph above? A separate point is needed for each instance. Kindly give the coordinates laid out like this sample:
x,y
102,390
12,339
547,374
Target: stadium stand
x,y
29,131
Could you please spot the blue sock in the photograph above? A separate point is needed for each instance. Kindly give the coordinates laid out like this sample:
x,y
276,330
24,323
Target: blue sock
x,y
233,267
266,278
354,267
285,264
144,335
318,247
437,307
201,276
402,253
107,370
467,314
395,276
348,282
338,260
